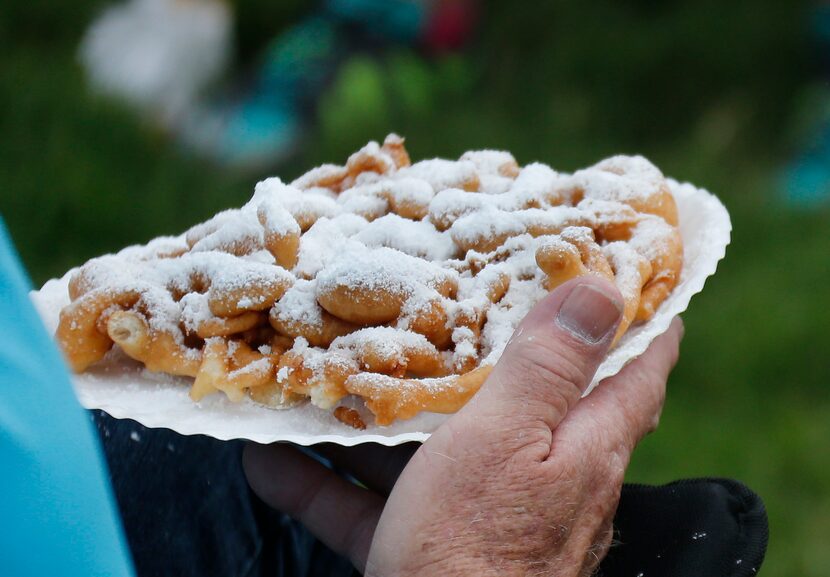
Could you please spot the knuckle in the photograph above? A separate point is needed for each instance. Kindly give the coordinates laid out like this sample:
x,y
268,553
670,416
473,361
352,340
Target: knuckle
x,y
655,422
548,375
607,459
629,428
522,441
651,412
639,414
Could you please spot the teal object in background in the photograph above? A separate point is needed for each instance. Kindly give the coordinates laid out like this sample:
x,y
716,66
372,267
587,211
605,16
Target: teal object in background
x,y
399,20
806,181
57,512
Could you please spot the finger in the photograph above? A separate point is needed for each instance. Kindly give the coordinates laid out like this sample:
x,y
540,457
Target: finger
x,y
553,354
340,514
374,465
627,406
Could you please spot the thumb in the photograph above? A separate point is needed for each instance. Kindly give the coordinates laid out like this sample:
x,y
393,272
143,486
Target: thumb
x,y
553,355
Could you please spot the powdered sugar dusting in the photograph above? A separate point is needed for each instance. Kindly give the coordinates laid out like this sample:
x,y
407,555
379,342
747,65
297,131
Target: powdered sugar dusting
x,y
387,343
302,206
415,238
383,269
620,179
454,242
299,305
442,174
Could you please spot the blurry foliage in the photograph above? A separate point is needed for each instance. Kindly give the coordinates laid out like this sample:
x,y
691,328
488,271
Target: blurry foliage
x,y
717,93
587,81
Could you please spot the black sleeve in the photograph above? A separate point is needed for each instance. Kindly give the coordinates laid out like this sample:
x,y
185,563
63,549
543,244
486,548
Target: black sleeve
x,y
711,527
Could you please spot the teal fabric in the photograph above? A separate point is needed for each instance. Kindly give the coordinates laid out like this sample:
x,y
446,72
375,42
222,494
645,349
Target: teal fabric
x,y
57,513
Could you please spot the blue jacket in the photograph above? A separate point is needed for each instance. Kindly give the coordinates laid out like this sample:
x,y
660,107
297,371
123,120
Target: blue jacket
x,y
57,513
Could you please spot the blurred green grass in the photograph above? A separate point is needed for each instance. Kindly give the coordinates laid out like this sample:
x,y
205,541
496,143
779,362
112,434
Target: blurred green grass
x,y
706,89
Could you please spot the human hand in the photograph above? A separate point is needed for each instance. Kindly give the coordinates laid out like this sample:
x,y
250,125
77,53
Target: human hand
x,y
525,479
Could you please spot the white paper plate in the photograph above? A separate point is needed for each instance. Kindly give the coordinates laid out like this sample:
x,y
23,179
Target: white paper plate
x,y
122,388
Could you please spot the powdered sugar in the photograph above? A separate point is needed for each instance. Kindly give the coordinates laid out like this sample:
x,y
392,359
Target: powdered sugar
x,y
649,237
492,162
365,201
442,174
299,305
395,254
408,191
451,243
386,343
275,217
319,243
383,270
125,391
620,179
415,238
304,207
238,236
195,310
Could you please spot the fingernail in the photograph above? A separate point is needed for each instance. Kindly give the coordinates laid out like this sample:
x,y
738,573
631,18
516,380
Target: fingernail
x,y
589,314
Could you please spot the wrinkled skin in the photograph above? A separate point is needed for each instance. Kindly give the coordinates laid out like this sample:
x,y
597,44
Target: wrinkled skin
x,y
524,480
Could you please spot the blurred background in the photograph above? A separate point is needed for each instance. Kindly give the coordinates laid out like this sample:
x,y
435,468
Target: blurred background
x,y
123,121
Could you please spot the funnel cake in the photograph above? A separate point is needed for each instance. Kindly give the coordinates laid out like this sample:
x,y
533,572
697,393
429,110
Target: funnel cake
x,y
382,280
